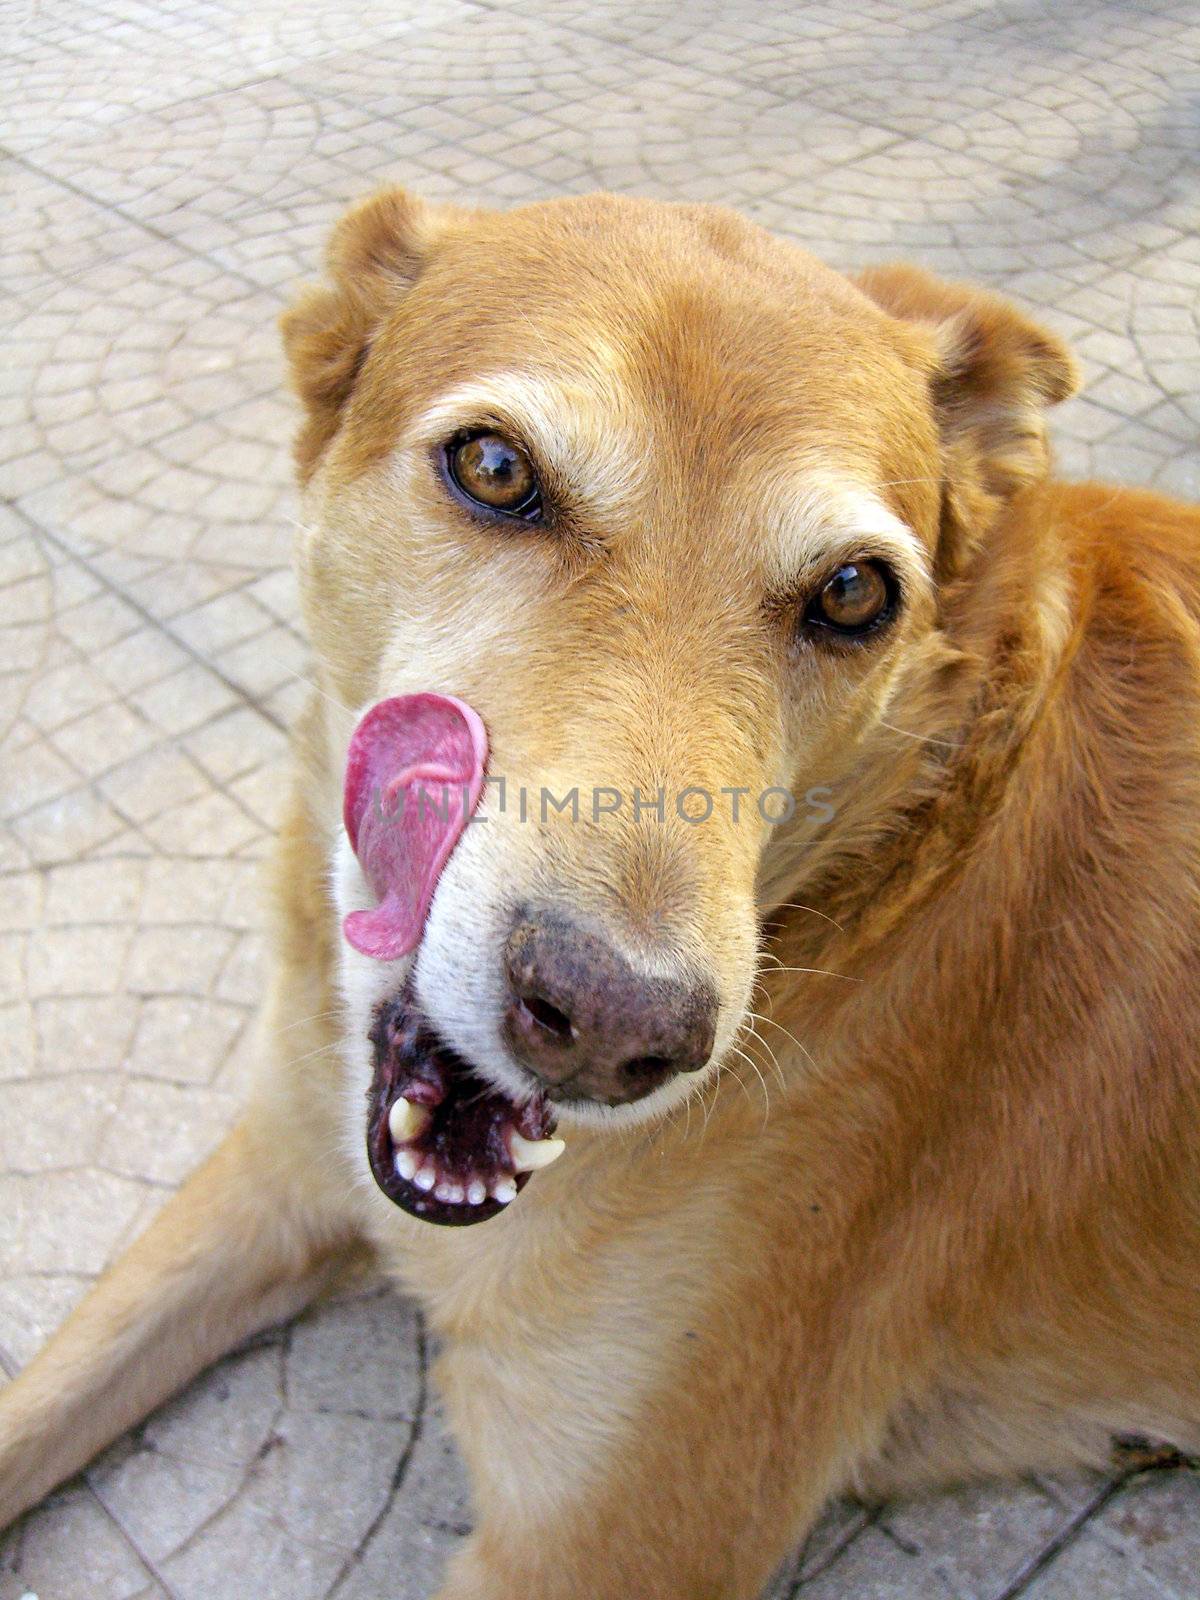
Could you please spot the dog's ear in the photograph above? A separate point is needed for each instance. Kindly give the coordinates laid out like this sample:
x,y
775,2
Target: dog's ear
x,y
994,374
375,254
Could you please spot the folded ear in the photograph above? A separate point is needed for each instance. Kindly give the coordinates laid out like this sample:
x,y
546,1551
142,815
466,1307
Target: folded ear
x,y
376,253
995,373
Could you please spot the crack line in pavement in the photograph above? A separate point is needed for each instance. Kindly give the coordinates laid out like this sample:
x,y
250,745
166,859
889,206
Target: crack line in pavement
x,y
1066,1535
355,1557
834,1556
147,616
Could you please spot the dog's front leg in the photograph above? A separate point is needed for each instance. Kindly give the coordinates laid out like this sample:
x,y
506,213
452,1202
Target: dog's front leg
x,y
694,1489
700,1524
242,1245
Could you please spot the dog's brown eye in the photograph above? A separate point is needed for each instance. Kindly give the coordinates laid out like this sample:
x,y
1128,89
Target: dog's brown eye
x,y
856,599
495,473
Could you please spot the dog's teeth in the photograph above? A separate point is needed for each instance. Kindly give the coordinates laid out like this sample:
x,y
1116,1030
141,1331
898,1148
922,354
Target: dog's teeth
x,y
451,1193
476,1192
530,1154
425,1179
406,1163
504,1190
407,1120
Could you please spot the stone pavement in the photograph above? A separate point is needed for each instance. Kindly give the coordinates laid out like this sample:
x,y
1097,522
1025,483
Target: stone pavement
x,y
170,169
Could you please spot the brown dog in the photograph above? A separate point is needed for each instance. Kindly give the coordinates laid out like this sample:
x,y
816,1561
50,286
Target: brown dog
x,y
688,518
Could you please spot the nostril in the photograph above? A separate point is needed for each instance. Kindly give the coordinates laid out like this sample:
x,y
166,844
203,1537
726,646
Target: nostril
x,y
643,1067
549,1017
591,1023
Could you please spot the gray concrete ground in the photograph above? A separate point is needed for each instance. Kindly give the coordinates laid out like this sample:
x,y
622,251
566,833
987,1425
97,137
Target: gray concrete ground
x,y
171,167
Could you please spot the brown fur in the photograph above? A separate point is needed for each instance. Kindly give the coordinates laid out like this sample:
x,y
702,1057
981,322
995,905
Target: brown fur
x,y
957,1231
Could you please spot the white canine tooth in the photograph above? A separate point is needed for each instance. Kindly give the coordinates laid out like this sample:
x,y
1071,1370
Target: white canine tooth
x,y
449,1192
407,1120
425,1179
504,1190
476,1192
406,1163
530,1154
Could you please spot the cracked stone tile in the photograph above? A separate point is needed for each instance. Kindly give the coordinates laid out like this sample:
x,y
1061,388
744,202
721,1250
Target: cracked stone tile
x,y
210,827
843,1522
234,745
110,736
1090,1569
160,1131
16,1041
45,1129
1077,1491
35,775
190,891
873,1567
96,1030
246,1455
182,960
176,1475
267,663
142,662
50,1232
93,892
185,699
262,793
154,782
1154,1521
120,387
278,593
44,1555
241,978
377,1371
76,961
184,1040
32,1306
126,58
63,829
422,1527
975,1541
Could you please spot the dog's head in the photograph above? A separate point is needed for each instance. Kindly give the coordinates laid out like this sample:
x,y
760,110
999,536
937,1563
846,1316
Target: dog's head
x,y
674,508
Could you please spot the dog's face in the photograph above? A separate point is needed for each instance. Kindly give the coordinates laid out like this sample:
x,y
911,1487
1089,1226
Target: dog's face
x,y
672,507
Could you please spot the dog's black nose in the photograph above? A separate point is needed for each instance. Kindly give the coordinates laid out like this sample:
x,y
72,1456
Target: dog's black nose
x,y
586,1022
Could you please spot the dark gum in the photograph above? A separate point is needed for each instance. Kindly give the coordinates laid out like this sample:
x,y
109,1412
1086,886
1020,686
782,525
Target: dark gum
x,y
466,1113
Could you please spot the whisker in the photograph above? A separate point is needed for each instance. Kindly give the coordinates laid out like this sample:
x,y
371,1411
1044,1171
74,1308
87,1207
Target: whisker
x,y
727,1066
822,972
751,1037
317,1016
300,677
921,738
750,1062
307,1056
792,905
760,1017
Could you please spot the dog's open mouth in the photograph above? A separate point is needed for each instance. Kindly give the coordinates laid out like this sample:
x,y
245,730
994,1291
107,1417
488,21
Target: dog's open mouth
x,y
444,1145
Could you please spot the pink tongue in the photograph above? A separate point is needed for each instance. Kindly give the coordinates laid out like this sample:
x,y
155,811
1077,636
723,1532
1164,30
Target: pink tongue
x,y
413,778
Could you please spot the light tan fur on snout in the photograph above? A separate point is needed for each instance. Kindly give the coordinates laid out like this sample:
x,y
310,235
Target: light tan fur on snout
x,y
935,1210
